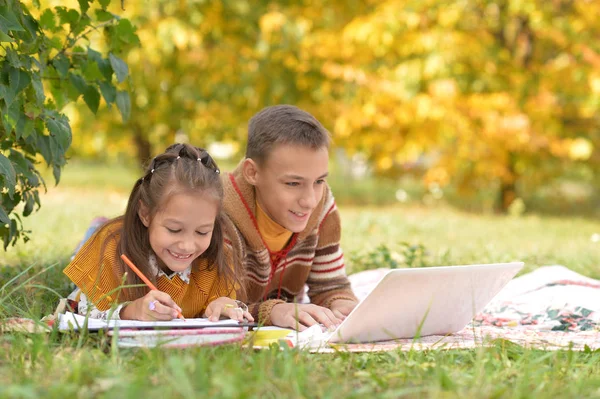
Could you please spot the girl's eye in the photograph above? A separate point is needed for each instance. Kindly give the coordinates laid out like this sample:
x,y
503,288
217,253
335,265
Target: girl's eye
x,y
292,183
173,231
201,233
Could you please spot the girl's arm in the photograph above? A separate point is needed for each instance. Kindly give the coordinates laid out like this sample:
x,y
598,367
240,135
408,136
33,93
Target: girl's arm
x,y
86,308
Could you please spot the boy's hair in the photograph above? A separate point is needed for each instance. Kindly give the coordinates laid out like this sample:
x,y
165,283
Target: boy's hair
x,y
283,124
181,168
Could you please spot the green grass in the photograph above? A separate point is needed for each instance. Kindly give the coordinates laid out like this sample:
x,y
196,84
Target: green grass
x,y
65,365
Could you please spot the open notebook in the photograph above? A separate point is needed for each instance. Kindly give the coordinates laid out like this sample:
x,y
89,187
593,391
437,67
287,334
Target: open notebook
x,y
71,321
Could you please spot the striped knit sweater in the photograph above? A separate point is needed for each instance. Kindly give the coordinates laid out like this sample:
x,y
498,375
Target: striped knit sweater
x,y
311,257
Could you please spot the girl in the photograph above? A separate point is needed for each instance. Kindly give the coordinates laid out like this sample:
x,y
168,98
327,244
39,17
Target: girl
x,y
172,231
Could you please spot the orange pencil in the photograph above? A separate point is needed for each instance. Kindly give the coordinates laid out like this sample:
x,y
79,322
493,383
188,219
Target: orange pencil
x,y
144,279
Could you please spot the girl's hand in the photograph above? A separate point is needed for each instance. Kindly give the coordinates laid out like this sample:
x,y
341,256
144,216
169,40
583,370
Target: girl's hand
x,y
155,305
227,307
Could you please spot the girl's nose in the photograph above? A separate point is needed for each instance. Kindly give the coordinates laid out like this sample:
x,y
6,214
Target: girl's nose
x,y
187,245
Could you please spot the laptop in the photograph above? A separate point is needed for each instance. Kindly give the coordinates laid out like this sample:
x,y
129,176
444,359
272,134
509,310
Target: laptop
x,y
407,303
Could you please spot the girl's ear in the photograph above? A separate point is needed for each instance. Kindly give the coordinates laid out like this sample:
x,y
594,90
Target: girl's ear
x,y
143,214
250,171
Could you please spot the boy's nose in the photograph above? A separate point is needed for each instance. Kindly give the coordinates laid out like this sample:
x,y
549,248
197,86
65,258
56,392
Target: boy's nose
x,y
309,200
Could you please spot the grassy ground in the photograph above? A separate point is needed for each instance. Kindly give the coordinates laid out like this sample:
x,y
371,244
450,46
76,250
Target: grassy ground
x,y
59,365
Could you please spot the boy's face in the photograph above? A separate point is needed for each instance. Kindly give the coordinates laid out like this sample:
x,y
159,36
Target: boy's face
x,y
289,183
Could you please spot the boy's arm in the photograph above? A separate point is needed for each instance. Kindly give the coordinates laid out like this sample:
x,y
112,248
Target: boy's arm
x,y
261,311
327,280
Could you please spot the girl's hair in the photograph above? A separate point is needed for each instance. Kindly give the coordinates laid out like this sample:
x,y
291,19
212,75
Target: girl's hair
x,y
181,168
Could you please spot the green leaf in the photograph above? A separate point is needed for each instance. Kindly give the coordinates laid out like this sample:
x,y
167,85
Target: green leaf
x,y
91,71
32,109
56,173
48,20
3,218
22,125
104,3
109,92
27,128
38,88
103,63
62,65
84,5
36,193
125,32
25,168
18,79
14,58
67,16
19,161
54,42
4,38
11,115
78,82
31,25
29,203
9,21
82,23
103,16
7,93
10,176
92,98
124,104
59,128
3,91
119,66
42,142
90,93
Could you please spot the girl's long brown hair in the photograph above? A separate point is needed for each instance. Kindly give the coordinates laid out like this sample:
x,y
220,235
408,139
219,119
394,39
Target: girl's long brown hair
x,y
181,167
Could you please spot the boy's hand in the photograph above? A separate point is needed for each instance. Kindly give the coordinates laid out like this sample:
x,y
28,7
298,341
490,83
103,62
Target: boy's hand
x,y
155,305
284,315
227,307
342,307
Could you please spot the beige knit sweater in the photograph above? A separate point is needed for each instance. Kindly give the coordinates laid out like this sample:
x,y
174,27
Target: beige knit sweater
x,y
312,257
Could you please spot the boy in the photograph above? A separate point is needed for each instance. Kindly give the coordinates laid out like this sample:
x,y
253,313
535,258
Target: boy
x,y
283,224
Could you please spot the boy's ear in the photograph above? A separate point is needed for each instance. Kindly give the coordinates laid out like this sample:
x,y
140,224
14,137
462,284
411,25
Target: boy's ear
x,y
143,214
250,171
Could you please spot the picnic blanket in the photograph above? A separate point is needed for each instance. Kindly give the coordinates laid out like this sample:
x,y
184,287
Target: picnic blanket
x,y
550,308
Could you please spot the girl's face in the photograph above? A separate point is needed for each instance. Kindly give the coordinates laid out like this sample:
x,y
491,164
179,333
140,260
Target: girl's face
x,y
181,231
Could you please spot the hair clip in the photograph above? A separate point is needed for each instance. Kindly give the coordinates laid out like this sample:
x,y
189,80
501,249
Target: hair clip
x,y
217,171
199,160
178,157
152,171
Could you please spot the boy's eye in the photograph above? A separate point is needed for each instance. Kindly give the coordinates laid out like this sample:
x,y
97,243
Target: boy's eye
x,y
292,183
320,181
173,230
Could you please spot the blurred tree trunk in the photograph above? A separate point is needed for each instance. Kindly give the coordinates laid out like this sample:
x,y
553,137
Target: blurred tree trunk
x,y
508,187
144,148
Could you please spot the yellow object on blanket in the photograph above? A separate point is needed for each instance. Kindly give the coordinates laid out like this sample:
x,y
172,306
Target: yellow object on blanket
x,y
263,337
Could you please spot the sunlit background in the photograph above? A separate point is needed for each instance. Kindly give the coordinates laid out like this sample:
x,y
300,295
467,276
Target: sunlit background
x,y
487,105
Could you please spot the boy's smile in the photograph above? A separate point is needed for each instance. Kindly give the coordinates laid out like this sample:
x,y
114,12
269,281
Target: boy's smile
x,y
289,183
